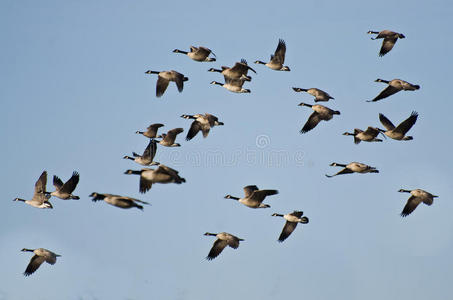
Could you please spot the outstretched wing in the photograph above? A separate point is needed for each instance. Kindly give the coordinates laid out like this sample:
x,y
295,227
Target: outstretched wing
x,y
388,91
387,45
279,55
248,190
161,86
386,122
410,206
287,230
407,124
311,123
216,249
71,184
194,129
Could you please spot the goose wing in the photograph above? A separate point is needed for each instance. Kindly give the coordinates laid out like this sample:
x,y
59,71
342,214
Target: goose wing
x,y
150,150
34,264
410,206
407,124
297,213
311,123
287,230
259,195
211,119
161,86
388,91
386,122
371,131
152,129
387,44
279,56
235,82
233,241
144,185
248,190
179,80
344,171
134,200
71,184
204,51
194,129
40,185
57,183
216,249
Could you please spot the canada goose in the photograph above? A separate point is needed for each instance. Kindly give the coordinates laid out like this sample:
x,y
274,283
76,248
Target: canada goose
x,y
146,159
164,79
40,196
389,37
118,201
254,197
162,174
417,196
278,59
291,222
233,85
354,167
223,239
202,122
398,133
198,54
151,131
319,95
238,71
41,255
394,86
369,135
168,139
64,190
320,113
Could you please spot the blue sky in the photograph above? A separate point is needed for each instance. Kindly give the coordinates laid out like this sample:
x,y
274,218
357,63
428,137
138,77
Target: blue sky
x,y
74,92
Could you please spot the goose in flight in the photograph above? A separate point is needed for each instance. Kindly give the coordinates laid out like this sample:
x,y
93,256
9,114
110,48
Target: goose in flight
x,y
40,196
223,239
201,123
291,222
118,201
277,59
319,95
146,159
164,79
394,86
238,71
389,41
254,197
369,135
162,174
41,255
168,139
64,190
417,196
151,130
198,53
399,132
233,85
320,113
354,167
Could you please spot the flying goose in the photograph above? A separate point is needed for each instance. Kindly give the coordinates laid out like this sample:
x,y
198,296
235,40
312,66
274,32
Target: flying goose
x,y
162,174
233,85
202,122
319,95
118,201
398,133
278,59
223,239
354,167
41,255
254,197
417,196
291,222
369,135
151,131
146,159
198,54
238,71
320,113
168,139
164,79
64,190
389,37
40,196
394,86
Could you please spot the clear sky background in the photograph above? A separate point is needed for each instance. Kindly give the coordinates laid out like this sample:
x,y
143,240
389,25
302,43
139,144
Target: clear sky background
x,y
74,92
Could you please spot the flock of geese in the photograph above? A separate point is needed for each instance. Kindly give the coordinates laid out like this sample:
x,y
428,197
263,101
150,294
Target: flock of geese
x,y
234,79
